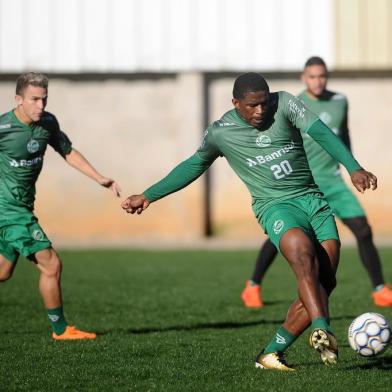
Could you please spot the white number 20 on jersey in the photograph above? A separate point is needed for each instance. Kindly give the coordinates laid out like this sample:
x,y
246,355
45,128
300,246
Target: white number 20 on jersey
x,y
282,169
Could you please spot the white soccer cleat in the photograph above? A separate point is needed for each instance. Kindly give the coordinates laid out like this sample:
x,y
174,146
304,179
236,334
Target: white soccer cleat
x,y
325,344
273,361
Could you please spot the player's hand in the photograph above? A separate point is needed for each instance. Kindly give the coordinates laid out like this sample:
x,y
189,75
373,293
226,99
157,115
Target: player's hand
x,y
135,203
363,180
110,184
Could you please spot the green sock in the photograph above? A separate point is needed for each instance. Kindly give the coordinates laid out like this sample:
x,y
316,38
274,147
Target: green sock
x,y
281,341
321,322
57,320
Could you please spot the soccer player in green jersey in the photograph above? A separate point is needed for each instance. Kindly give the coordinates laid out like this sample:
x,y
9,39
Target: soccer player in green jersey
x,y
332,108
262,142
25,132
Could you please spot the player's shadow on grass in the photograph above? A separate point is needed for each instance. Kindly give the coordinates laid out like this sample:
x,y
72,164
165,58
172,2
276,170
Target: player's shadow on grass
x,y
218,325
195,327
382,363
345,317
277,302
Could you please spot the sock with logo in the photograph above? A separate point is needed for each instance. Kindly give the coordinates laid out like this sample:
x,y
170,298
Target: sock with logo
x,y
57,320
281,341
321,322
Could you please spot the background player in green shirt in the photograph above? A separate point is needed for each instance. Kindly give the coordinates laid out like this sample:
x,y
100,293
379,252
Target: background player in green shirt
x,y
262,142
25,133
332,108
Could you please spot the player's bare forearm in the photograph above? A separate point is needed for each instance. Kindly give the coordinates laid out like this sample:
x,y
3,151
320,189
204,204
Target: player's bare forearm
x,y
363,180
135,203
79,162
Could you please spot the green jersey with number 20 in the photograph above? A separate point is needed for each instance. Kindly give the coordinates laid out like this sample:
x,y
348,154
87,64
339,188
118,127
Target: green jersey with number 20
x,y
271,161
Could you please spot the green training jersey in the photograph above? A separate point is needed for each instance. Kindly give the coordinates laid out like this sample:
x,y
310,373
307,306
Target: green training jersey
x,y
332,110
22,149
271,161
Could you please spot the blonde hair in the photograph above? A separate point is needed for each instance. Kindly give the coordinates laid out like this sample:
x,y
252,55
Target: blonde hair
x,y
31,79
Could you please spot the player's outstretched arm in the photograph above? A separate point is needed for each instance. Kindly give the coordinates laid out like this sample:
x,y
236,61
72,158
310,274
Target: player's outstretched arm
x,y
333,145
79,162
181,176
135,203
363,180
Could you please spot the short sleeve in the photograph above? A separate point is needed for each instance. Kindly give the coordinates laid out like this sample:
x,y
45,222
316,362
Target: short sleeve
x,y
58,139
297,112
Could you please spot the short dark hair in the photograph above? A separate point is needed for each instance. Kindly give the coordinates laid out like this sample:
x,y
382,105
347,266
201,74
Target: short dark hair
x,y
249,82
31,79
315,60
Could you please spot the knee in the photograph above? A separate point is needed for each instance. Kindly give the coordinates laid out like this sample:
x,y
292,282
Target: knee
x,y
5,274
54,266
6,269
363,232
304,263
50,264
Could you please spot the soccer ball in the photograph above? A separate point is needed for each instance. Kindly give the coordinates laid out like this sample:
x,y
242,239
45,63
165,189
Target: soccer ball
x,y
369,334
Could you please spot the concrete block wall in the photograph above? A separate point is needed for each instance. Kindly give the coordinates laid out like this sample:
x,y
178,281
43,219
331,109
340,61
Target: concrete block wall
x,y
136,130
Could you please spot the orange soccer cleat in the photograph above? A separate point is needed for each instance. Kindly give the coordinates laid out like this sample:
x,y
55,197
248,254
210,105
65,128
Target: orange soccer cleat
x,y
383,297
71,333
251,296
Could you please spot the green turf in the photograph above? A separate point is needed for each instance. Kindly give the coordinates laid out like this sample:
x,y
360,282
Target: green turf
x,y
173,321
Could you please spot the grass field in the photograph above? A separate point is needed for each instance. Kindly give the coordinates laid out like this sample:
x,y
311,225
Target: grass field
x,y
173,321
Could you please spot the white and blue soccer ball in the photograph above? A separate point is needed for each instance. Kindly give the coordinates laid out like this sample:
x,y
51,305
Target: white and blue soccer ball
x,y
369,334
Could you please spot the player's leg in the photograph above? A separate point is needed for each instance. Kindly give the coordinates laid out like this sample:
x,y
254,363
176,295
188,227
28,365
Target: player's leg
x,y
6,268
251,295
300,252
359,226
367,250
298,320
311,307
325,258
264,260
49,265
321,340
31,241
347,207
8,258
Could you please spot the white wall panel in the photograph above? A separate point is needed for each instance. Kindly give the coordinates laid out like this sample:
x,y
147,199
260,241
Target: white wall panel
x,y
266,38
12,35
125,45
236,48
95,34
294,29
321,40
208,38
38,34
67,31
152,31
181,31
163,35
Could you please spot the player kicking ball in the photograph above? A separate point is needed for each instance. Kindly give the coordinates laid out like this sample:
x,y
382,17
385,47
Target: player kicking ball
x,y
332,108
25,132
261,140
